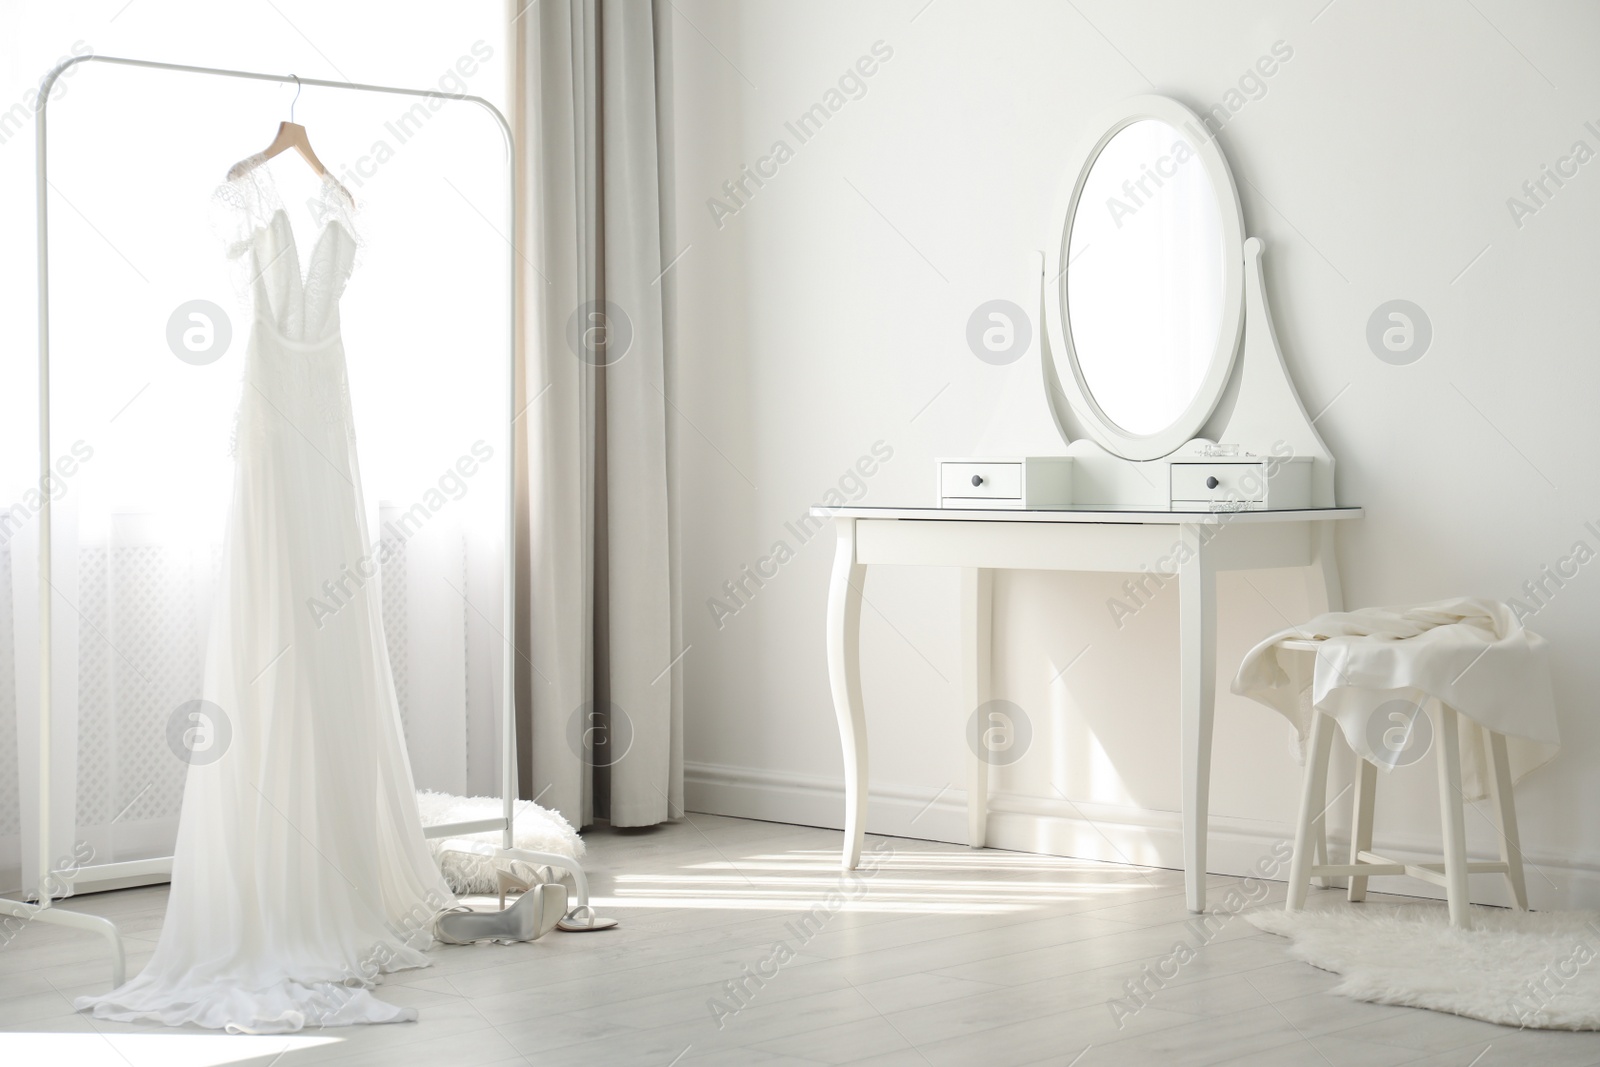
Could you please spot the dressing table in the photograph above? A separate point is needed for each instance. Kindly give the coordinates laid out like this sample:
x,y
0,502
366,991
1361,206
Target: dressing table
x,y
1186,450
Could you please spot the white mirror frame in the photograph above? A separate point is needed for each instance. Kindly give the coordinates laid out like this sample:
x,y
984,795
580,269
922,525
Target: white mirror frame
x,y
1067,375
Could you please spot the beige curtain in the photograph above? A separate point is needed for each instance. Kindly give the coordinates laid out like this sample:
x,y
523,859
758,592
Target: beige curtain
x,y
598,694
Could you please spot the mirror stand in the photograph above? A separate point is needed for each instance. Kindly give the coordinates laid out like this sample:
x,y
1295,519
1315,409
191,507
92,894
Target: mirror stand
x,y
1260,413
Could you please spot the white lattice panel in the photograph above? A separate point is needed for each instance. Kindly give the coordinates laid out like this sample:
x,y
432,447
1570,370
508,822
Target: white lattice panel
x,y
141,654
142,617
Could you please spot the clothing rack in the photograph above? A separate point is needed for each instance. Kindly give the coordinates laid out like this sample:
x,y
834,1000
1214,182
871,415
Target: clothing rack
x,y
44,910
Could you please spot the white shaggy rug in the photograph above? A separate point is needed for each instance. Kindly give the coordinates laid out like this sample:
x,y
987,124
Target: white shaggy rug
x,y
1527,969
535,828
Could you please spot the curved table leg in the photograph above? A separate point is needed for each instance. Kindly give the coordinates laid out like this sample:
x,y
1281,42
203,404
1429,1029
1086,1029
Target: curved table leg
x,y
1197,679
1322,580
844,675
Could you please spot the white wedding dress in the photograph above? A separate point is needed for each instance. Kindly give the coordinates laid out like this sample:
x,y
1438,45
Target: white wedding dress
x,y
300,874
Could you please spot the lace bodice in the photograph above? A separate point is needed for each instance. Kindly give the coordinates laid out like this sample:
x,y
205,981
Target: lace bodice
x,y
295,379
254,224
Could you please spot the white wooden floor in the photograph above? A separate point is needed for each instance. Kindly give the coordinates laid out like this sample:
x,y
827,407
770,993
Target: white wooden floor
x,y
942,956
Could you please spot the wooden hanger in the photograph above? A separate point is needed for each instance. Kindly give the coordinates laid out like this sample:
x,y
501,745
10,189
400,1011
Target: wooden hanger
x,y
290,135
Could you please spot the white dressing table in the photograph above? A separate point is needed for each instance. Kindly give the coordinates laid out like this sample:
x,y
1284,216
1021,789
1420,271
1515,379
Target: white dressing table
x,y
1067,539
1178,425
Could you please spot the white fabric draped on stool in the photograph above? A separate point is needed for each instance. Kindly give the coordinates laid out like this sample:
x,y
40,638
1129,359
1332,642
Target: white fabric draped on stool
x,y
1470,654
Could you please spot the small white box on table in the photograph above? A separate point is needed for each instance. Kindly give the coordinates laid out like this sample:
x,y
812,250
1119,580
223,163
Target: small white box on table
x,y
1021,482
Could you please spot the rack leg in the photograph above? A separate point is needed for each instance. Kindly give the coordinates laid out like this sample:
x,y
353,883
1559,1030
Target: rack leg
x,y
92,923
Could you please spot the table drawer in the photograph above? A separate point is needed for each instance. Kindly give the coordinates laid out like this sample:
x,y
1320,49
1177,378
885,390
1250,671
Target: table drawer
x,y
1219,481
981,481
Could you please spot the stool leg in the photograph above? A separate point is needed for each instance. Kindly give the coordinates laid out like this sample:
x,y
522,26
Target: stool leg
x,y
1313,798
1506,810
1361,824
1453,817
1319,853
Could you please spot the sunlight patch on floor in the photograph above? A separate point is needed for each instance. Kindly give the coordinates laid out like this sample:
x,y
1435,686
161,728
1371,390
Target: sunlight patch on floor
x,y
977,859
176,1049
910,883
866,905
823,881
1104,875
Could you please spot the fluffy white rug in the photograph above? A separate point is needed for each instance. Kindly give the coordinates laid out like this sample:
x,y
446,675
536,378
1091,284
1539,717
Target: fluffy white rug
x,y
533,827
1535,969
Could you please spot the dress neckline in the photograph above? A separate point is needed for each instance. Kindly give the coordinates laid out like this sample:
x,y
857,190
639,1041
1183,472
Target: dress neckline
x,y
255,194
291,244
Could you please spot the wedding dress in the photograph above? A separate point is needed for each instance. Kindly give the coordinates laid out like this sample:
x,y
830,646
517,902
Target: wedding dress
x,y
300,874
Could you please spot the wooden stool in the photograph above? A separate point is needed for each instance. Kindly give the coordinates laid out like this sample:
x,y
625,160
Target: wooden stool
x,y
1452,873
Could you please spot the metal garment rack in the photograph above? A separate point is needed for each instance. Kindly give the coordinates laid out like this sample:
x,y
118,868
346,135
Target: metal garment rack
x,y
44,910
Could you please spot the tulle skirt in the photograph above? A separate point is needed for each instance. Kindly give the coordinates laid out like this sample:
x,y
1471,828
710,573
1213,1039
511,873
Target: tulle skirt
x,y
300,875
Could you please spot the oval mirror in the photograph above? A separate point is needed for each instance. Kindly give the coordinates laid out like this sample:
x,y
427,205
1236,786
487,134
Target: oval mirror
x,y
1149,269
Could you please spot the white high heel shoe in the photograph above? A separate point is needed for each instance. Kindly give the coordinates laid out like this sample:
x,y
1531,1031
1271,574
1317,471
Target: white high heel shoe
x,y
521,870
534,914
511,881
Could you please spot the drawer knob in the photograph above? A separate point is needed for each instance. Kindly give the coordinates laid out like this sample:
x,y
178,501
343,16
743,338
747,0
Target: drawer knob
x,y
1211,482
977,479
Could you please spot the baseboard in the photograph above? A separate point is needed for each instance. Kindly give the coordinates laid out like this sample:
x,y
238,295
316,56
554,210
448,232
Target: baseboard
x,y
1057,827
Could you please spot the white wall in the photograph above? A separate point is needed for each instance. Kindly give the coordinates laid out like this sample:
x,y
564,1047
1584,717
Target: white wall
x,y
829,313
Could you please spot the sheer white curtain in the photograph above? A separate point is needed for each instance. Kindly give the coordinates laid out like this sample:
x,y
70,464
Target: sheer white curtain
x,y
599,693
